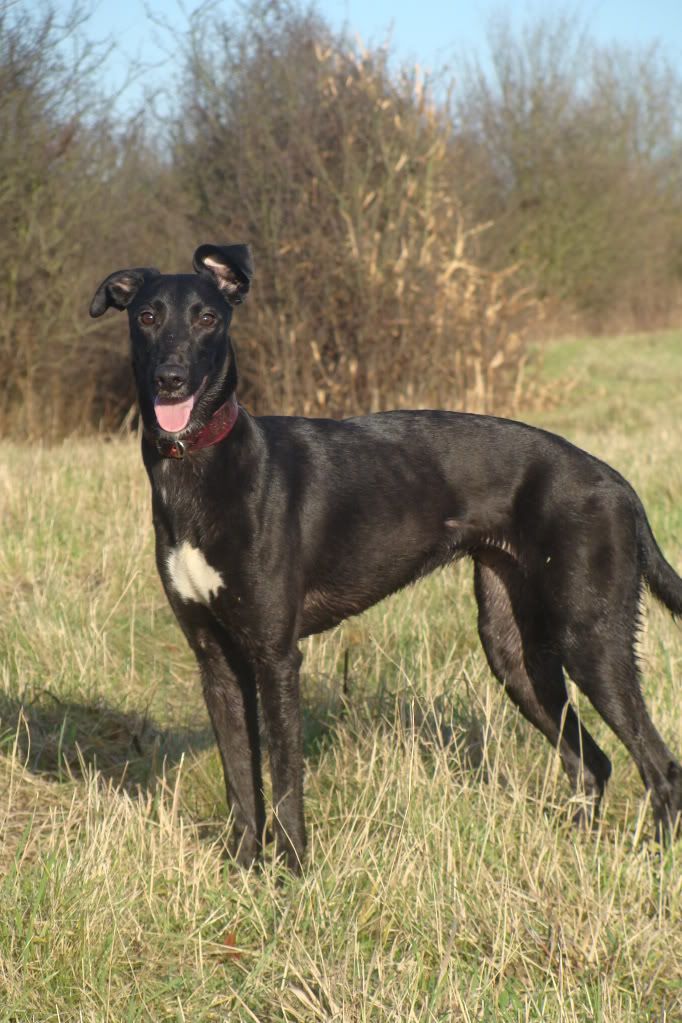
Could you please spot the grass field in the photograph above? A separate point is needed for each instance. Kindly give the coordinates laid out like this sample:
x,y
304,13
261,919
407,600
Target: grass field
x,y
445,881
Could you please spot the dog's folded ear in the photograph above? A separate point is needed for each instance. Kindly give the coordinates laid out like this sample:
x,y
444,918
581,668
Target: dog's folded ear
x,y
229,266
120,288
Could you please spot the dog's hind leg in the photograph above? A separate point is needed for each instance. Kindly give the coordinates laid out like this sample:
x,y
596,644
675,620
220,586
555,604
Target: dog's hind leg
x,y
601,660
516,641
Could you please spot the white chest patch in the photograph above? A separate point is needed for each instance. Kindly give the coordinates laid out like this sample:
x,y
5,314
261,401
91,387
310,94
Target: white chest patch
x,y
191,575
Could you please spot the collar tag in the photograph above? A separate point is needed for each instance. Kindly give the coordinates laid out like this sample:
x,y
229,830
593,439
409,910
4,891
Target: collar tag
x,y
170,448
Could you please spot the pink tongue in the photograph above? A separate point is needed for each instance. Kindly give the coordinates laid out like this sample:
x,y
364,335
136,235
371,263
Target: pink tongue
x,y
173,416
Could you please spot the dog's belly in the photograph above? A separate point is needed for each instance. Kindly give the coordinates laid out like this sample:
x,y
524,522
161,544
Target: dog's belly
x,y
323,610
328,602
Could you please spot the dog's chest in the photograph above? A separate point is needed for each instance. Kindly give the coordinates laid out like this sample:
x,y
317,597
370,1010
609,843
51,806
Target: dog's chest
x,y
187,565
190,574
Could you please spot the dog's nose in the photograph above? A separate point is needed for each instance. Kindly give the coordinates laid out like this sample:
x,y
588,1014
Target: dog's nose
x,y
169,376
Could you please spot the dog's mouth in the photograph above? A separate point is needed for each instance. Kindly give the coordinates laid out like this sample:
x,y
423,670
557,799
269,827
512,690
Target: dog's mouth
x,y
173,414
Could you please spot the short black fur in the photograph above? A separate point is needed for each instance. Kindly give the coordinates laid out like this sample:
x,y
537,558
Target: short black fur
x,y
289,525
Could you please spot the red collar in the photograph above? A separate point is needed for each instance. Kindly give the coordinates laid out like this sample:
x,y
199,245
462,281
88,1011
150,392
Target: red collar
x,y
217,428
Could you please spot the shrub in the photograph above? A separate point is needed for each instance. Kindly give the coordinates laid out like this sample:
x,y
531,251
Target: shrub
x,y
78,192
577,149
340,173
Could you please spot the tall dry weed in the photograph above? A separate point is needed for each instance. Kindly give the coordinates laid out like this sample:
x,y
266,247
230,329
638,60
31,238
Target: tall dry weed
x,y
341,174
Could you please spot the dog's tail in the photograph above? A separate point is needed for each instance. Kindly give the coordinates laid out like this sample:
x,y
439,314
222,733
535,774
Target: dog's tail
x,y
662,579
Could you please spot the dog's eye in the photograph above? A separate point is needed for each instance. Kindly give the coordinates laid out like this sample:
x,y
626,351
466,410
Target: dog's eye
x,y
207,319
147,317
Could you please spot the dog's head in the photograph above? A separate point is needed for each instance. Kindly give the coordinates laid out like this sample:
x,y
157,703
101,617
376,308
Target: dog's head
x,y
183,360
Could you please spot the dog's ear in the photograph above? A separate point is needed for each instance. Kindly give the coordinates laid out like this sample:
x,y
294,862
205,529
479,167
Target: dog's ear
x,y
229,266
120,288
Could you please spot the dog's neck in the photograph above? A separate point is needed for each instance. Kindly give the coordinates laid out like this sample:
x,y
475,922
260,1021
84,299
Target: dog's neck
x,y
195,494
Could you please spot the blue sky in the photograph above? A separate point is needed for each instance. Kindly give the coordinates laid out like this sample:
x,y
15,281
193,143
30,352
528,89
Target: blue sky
x,y
426,32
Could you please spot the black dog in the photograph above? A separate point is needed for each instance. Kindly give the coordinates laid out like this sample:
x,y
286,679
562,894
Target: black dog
x,y
269,529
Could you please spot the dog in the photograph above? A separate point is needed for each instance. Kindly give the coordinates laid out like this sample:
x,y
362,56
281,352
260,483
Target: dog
x,y
272,528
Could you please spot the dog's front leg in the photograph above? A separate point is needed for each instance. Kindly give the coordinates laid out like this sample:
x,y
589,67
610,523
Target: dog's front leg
x,y
281,703
231,698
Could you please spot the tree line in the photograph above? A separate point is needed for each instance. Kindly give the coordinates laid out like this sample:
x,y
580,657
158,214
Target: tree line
x,y
409,233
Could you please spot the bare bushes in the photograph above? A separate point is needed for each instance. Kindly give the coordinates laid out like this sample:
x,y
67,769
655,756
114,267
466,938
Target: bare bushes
x,y
76,192
403,245
575,150
44,152
340,174
337,170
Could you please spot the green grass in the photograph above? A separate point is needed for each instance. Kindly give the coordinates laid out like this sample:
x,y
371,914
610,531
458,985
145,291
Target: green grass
x,y
613,382
444,882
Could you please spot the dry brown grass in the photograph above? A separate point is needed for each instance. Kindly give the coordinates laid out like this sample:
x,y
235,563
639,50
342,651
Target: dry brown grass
x,y
444,882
